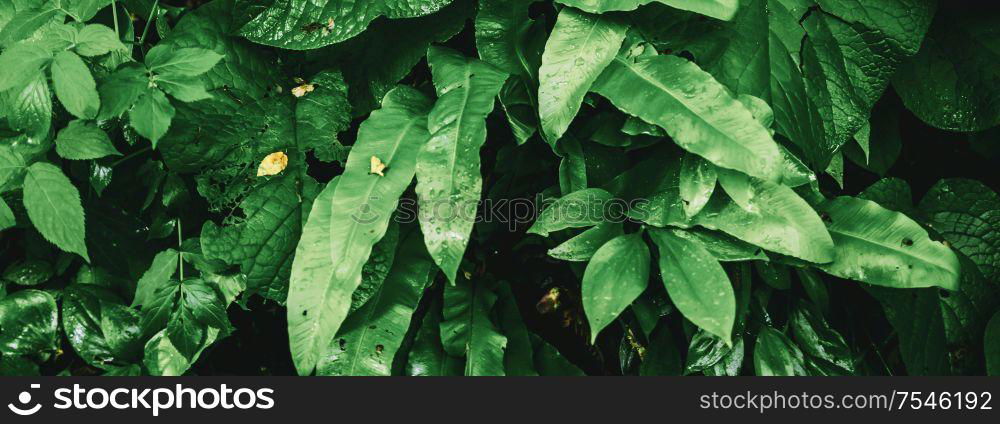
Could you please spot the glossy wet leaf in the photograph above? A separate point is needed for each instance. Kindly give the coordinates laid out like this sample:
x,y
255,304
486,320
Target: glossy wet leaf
x,y
616,275
449,182
694,108
886,248
329,257
774,354
696,283
29,319
582,208
582,247
371,336
467,329
580,47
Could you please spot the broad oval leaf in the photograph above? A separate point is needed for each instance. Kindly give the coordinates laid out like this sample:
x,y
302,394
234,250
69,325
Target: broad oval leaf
x,y
74,86
580,47
616,275
347,219
53,204
696,283
878,246
697,182
449,182
697,111
29,319
81,141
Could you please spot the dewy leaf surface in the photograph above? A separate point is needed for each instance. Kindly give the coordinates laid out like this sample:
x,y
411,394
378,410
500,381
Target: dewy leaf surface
x,y
615,276
697,111
720,9
696,283
580,47
348,219
310,24
886,248
467,330
449,182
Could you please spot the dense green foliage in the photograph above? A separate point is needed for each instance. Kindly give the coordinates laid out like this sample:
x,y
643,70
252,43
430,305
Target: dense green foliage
x,y
499,187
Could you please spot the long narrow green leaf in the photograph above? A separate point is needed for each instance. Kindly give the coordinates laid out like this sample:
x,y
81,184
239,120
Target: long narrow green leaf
x,y
371,336
697,111
580,47
348,219
449,182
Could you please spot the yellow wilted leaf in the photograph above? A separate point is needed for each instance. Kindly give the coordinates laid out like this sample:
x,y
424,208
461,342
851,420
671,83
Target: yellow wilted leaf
x,y
302,89
272,164
377,167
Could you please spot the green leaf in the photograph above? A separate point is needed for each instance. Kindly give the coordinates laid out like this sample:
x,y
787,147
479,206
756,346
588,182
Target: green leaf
x,y
697,111
467,330
159,273
499,26
782,222
722,247
427,356
348,219
181,62
582,247
696,283
950,83
162,358
81,140
120,90
6,216
991,341
31,108
263,242
370,337
616,275
580,47
101,330
20,64
697,183
379,264
886,248
28,272
74,85
965,213
303,25
775,355
151,115
30,320
582,208
824,348
185,89
323,114
719,9
662,357
96,40
449,182
53,204
12,165
205,303
29,17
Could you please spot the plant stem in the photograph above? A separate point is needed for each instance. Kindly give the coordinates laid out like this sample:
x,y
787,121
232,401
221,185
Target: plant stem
x,y
114,13
149,21
131,155
180,253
